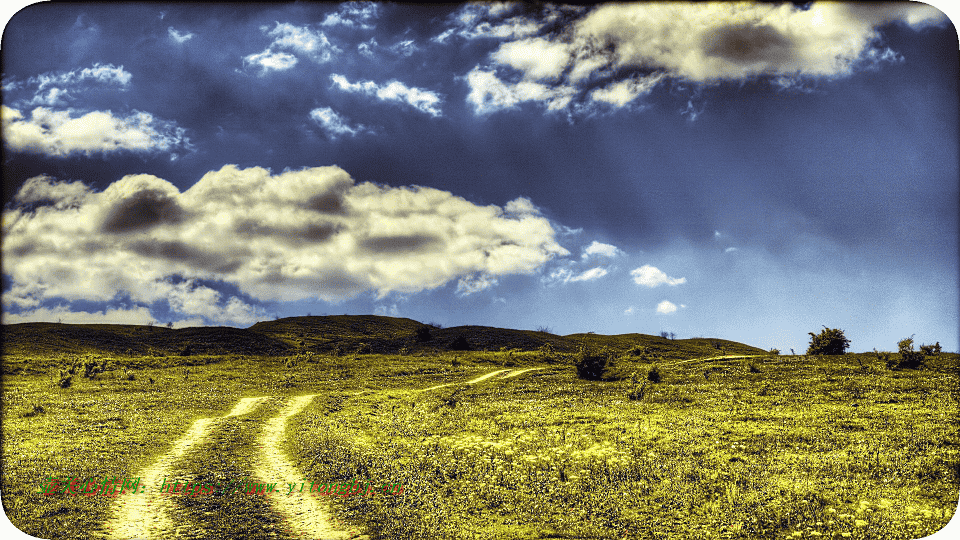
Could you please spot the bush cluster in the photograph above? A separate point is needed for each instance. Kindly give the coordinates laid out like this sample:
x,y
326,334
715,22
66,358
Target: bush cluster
x,y
909,358
828,342
598,365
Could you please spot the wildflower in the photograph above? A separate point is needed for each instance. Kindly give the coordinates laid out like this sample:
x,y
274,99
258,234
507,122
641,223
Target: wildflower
x,y
860,523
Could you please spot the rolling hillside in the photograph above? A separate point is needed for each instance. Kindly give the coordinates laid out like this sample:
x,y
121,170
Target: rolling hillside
x,y
328,334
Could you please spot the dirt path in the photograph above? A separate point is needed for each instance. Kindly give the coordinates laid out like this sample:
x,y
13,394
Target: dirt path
x,y
304,514
147,514
713,358
510,373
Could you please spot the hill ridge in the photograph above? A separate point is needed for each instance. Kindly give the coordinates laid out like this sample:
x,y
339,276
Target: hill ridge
x,y
329,334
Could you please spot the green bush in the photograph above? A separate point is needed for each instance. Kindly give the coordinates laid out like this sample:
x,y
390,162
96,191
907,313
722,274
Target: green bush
x,y
931,350
597,365
885,358
654,375
909,358
460,344
829,342
423,334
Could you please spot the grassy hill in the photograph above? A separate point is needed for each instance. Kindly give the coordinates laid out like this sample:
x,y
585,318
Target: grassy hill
x,y
345,334
133,340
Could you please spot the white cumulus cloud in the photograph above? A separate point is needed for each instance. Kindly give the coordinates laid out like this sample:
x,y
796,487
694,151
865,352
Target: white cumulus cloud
x,y
332,123
177,36
59,134
489,94
470,284
666,307
422,100
311,233
590,275
650,276
617,52
290,40
599,248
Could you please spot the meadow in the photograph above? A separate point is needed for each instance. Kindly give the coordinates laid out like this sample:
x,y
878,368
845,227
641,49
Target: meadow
x,y
762,447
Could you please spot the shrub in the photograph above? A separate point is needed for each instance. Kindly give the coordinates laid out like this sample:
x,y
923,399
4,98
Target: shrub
x,y
775,352
931,350
638,392
460,344
885,358
546,352
909,358
637,350
830,341
753,368
423,334
37,409
91,369
597,365
65,380
668,335
545,329
654,375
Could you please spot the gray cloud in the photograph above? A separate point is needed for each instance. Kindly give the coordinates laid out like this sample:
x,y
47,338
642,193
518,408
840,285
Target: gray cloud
x,y
280,237
142,210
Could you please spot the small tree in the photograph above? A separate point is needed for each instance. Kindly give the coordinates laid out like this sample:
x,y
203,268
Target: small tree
x,y
423,334
597,365
829,341
460,344
909,358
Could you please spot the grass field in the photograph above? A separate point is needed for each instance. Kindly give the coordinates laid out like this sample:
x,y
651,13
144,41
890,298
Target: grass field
x,y
762,447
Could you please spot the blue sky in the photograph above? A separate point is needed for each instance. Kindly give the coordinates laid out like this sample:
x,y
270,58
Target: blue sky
x,y
746,172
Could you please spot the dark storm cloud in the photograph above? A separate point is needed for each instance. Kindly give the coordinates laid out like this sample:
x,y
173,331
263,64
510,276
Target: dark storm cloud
x,y
183,252
141,211
327,203
309,234
747,44
402,243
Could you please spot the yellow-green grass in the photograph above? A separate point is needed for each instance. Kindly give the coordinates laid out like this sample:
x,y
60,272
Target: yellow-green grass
x,y
113,426
814,447
803,447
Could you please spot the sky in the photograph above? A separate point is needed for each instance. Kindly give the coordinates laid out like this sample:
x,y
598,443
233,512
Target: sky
x,y
750,172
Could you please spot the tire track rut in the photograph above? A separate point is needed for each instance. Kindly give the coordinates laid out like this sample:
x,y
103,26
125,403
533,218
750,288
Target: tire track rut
x,y
147,514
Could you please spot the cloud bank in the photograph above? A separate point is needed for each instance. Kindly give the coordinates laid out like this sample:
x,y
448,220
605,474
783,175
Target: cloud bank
x,y
296,235
616,53
59,134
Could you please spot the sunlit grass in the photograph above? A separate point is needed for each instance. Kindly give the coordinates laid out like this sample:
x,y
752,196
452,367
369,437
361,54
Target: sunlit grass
x,y
794,448
549,454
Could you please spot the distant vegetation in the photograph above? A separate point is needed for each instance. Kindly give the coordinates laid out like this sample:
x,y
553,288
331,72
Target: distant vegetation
x,y
830,341
590,436
334,335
